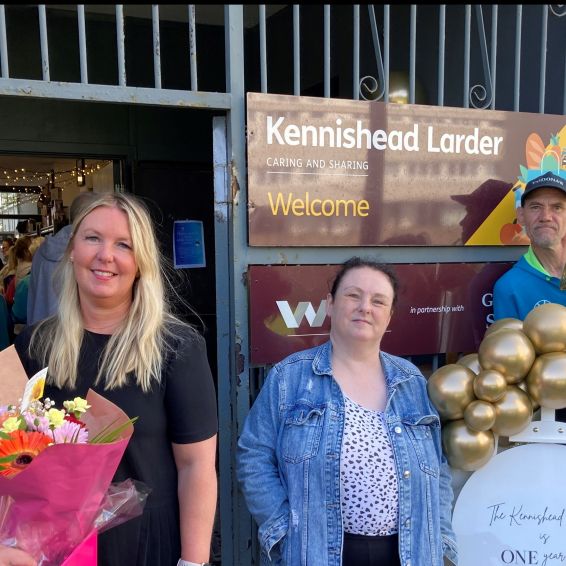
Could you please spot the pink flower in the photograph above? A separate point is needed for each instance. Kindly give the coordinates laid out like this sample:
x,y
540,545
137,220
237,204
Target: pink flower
x,y
70,433
38,423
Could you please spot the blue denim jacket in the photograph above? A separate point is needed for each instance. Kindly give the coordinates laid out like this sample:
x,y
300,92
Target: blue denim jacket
x,y
289,464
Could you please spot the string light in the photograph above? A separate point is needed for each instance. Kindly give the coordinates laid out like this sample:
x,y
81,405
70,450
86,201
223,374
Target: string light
x,y
63,177
32,182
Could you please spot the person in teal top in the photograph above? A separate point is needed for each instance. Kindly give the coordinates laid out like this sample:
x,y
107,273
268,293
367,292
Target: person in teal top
x,y
19,308
535,279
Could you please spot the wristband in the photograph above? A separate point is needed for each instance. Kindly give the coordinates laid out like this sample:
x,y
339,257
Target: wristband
x,y
188,563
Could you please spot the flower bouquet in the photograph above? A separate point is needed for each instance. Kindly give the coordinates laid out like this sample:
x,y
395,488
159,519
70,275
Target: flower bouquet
x,y
56,464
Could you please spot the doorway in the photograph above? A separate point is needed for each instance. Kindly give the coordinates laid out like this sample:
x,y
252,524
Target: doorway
x,y
184,191
36,190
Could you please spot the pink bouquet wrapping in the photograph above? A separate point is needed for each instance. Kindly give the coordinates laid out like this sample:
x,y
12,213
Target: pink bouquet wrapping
x,y
52,503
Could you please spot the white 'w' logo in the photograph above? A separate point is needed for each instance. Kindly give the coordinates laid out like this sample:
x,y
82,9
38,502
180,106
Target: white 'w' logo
x,y
304,309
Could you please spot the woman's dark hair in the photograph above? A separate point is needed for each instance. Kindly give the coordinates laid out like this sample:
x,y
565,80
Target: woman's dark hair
x,y
356,262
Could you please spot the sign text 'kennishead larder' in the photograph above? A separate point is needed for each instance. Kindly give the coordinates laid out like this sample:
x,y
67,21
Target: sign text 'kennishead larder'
x,y
336,172
281,132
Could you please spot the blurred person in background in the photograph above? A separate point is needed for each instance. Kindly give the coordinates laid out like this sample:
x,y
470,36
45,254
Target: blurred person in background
x,y
19,306
7,243
43,289
8,271
23,258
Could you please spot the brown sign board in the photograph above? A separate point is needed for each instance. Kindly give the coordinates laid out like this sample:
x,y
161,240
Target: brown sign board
x,y
441,308
334,172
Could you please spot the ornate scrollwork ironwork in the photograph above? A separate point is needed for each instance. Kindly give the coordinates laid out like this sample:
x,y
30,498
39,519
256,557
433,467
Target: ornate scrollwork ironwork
x,y
377,88
369,88
559,10
480,95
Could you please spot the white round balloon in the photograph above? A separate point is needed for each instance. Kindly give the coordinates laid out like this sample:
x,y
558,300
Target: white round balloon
x,y
513,509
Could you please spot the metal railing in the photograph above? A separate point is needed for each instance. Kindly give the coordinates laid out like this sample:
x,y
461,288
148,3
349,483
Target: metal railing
x,y
417,48
83,88
546,25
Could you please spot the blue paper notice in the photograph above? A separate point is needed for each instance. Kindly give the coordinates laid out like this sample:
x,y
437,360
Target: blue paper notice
x,y
188,244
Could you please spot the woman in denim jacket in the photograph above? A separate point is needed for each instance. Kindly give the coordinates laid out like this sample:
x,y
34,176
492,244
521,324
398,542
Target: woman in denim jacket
x,y
340,458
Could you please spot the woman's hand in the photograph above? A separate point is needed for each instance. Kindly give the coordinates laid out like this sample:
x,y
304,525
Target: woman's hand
x,y
15,557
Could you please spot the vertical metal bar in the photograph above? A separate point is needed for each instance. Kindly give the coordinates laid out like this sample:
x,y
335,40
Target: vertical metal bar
x,y
518,30
193,46
3,44
296,50
236,522
43,41
543,46
82,42
224,323
120,40
413,54
156,45
377,89
386,38
262,48
483,94
441,51
467,33
356,46
493,57
327,51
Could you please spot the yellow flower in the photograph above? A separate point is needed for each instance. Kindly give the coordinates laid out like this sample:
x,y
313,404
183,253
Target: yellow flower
x,y
37,391
77,405
11,424
56,417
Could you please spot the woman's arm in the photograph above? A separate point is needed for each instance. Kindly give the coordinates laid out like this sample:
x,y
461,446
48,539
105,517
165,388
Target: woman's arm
x,y
258,467
15,557
449,545
197,488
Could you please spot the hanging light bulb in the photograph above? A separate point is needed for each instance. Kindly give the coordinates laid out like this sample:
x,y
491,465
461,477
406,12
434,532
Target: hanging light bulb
x,y
80,173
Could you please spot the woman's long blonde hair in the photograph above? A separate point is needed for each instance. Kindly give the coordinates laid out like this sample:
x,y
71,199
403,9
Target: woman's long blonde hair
x,y
139,344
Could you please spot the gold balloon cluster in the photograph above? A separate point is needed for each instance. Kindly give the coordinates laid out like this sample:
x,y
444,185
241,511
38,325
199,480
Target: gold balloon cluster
x,y
519,366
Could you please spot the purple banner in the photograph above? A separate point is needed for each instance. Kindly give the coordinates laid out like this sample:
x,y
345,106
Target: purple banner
x,y
441,308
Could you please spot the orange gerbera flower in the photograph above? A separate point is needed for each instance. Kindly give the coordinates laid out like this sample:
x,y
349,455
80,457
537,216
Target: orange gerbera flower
x,y
19,449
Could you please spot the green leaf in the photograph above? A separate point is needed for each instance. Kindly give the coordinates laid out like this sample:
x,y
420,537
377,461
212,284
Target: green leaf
x,y
109,434
4,435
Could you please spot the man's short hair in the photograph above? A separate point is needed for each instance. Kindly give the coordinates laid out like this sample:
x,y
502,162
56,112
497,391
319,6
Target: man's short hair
x,y
546,180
